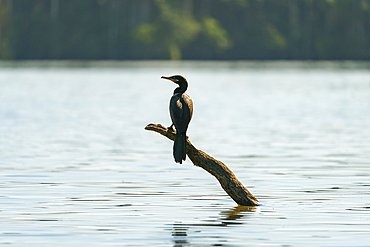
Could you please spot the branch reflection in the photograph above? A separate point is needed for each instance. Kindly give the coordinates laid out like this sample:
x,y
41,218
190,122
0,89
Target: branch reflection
x,y
227,217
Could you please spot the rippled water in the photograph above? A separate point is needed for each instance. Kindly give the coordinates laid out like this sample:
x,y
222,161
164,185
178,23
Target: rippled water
x,y
78,168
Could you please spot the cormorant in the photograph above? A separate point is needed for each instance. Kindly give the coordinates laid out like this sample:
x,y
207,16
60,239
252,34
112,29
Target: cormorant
x,y
181,111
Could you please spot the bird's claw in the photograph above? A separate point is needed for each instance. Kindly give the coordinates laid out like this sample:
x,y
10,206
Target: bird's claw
x,y
171,128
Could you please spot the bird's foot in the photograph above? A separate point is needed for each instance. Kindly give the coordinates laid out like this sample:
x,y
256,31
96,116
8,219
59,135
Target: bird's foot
x,y
171,128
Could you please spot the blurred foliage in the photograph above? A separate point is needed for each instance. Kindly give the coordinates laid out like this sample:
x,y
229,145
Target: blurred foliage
x,y
5,51
185,29
175,27
171,29
216,33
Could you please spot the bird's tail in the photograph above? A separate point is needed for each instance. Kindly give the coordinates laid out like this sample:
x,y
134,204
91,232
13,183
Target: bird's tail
x,y
179,147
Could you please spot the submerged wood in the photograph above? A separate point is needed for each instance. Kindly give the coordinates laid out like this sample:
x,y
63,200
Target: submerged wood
x,y
233,187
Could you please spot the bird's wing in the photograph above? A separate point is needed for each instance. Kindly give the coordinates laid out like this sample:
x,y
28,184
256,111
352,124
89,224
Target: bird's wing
x,y
180,113
189,103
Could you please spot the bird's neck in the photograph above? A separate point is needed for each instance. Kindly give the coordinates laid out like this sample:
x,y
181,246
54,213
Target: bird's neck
x,y
183,86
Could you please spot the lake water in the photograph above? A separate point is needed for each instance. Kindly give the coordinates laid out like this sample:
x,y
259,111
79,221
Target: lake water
x,y
78,168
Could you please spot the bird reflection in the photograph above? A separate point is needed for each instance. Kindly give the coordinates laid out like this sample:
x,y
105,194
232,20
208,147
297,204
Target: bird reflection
x,y
227,217
179,235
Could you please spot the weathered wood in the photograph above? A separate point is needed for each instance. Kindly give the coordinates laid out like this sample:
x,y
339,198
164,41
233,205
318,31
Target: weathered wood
x,y
233,187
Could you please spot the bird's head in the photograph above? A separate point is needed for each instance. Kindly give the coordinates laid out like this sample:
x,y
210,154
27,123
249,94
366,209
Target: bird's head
x,y
178,79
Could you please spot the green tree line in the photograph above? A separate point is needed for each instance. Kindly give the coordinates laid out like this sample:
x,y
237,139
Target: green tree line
x,y
185,29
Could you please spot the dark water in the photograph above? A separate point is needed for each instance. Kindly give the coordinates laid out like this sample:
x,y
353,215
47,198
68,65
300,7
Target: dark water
x,y
78,168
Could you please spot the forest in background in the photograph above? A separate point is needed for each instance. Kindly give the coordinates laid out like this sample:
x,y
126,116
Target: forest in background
x,y
185,29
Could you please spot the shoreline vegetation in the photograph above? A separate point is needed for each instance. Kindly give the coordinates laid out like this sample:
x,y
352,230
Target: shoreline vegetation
x,y
185,29
198,64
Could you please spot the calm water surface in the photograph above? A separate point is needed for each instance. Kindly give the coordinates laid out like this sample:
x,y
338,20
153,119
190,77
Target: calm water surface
x,y
78,168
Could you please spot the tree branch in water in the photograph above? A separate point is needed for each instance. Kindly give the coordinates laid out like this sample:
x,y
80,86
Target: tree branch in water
x,y
232,186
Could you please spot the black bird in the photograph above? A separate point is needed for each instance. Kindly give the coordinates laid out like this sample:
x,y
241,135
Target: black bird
x,y
181,111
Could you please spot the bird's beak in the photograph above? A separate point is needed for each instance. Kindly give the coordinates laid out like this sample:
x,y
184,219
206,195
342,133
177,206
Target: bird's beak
x,y
168,78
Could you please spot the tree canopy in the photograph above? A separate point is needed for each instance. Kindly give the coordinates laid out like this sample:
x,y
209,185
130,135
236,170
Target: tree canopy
x,y
185,29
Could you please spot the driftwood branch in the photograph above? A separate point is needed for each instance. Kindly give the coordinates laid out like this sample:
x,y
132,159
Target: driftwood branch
x,y
233,187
